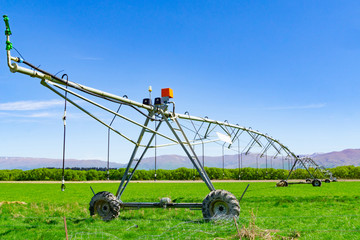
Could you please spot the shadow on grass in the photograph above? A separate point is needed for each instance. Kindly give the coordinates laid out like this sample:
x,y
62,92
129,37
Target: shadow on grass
x,y
6,232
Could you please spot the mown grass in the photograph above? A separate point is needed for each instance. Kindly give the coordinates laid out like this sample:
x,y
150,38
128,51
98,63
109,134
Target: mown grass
x,y
299,211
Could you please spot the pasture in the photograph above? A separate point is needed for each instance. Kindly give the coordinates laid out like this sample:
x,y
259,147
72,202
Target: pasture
x,y
267,212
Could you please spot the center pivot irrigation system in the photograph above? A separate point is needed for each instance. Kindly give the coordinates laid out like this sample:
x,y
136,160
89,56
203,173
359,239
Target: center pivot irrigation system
x,y
183,130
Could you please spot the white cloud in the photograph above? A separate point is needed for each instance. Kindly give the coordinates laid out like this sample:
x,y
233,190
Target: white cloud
x,y
30,105
41,115
310,106
32,115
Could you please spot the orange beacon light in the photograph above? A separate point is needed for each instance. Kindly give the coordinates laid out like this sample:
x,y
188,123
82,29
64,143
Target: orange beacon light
x,y
167,92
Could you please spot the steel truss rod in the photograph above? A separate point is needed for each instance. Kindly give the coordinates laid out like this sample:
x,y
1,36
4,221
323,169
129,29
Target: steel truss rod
x,y
200,138
196,141
223,127
41,74
192,142
277,153
138,205
272,144
14,67
88,113
252,143
111,111
193,158
317,168
231,134
232,130
297,159
236,136
256,138
267,146
196,129
207,130
126,173
138,162
248,130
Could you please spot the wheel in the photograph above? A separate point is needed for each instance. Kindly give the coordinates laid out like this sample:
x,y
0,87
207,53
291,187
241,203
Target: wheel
x,y
282,183
308,180
106,205
327,180
316,183
220,204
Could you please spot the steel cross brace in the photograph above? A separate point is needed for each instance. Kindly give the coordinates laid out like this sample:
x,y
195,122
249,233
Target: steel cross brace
x,y
125,176
296,160
193,158
122,185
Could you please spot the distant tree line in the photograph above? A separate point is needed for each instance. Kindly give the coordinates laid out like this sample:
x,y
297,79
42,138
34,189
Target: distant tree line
x,y
53,174
85,168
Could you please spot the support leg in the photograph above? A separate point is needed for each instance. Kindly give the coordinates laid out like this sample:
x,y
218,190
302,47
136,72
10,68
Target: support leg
x,y
125,176
189,152
138,162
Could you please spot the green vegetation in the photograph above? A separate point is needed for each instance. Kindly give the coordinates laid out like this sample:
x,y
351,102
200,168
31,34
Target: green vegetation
x,y
329,212
43,174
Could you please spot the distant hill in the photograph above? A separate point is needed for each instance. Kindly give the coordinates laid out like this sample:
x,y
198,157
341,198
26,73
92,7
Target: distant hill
x,y
332,159
26,163
341,158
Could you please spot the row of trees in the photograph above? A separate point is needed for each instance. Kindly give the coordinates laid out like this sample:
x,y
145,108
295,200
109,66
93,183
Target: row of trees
x,y
345,172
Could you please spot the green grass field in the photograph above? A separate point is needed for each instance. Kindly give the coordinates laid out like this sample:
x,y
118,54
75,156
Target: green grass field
x,y
298,211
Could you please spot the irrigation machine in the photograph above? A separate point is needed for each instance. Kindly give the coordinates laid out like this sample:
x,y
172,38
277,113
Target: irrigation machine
x,y
161,121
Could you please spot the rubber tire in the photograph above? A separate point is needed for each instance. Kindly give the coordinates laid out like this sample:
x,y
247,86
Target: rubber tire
x,y
220,204
308,180
106,205
282,183
316,183
327,180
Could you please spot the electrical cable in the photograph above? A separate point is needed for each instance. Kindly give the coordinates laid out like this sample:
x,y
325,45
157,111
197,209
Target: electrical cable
x,y
223,160
155,150
109,99
266,163
18,53
64,139
239,158
58,72
108,152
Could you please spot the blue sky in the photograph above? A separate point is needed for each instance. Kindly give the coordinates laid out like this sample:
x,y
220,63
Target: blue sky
x,y
286,68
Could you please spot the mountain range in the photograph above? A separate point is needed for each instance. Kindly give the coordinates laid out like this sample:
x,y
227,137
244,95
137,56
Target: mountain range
x,y
329,160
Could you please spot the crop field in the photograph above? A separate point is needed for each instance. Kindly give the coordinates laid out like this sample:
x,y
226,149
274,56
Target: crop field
x,y
37,211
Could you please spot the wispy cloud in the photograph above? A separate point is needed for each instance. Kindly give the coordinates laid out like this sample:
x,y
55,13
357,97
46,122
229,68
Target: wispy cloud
x,y
31,115
30,105
23,116
310,106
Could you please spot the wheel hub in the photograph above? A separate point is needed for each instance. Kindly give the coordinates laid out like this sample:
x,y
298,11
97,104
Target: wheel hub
x,y
103,208
220,208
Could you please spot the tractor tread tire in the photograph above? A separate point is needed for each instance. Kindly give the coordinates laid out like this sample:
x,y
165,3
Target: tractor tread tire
x,y
282,183
106,205
316,183
225,201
